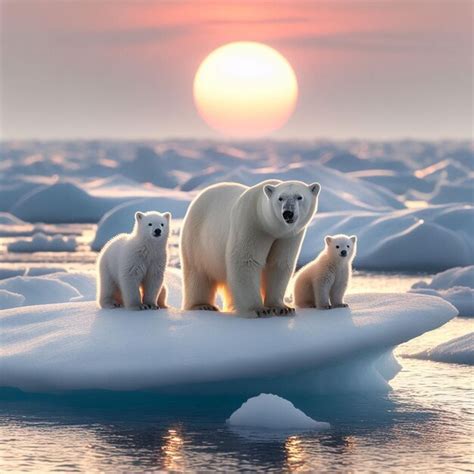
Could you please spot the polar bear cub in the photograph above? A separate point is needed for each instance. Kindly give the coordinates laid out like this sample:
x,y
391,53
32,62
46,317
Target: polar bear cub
x,y
323,282
244,243
131,267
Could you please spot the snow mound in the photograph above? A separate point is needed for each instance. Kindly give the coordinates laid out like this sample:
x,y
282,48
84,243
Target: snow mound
x,y
44,243
9,299
449,193
455,285
460,297
272,412
338,190
121,218
39,290
458,276
9,219
428,239
62,202
457,351
78,346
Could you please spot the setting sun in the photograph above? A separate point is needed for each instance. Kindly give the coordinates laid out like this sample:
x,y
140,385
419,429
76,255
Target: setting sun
x,y
245,89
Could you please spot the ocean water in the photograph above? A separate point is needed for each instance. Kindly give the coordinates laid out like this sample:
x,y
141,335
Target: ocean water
x,y
425,423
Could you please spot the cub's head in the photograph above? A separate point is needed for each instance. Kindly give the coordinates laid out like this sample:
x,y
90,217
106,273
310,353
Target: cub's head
x,y
293,203
152,225
341,247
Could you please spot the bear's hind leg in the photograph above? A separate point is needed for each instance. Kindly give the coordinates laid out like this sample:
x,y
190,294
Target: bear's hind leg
x,y
199,292
162,298
107,291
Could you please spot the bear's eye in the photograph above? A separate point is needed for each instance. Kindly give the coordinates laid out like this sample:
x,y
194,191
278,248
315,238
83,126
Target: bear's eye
x,y
300,198
162,225
280,199
150,224
337,246
348,247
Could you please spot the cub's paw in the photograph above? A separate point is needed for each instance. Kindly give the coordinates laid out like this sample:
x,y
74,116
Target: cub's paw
x,y
117,305
205,307
144,306
326,306
341,305
281,311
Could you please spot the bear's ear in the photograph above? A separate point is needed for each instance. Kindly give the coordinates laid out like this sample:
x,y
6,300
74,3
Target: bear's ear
x,y
314,188
167,216
268,189
139,216
327,239
353,238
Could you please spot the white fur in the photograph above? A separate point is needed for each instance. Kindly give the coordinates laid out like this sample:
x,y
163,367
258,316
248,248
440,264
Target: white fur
x,y
235,240
131,267
323,282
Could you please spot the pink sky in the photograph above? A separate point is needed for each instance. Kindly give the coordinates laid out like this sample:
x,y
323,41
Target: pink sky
x,y
115,69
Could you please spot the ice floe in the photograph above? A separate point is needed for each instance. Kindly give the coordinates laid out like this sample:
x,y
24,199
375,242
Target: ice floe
x,y
457,351
77,346
455,285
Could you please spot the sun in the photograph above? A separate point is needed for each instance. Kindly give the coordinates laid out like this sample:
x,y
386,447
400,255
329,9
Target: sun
x,y
245,89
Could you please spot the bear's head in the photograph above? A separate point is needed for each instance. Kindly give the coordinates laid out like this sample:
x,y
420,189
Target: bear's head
x,y
292,203
152,225
341,247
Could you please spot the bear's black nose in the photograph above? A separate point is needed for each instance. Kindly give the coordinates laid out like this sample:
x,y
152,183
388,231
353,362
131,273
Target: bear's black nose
x,y
157,232
288,216
343,253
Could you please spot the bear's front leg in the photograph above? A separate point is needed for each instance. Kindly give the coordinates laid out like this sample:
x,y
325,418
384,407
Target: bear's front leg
x,y
244,283
280,266
152,285
321,293
337,293
130,290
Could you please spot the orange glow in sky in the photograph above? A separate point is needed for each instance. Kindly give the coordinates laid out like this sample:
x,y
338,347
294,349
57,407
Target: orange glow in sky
x,y
245,89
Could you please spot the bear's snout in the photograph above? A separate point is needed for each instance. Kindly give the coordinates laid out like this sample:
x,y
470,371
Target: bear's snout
x,y
343,253
288,216
157,232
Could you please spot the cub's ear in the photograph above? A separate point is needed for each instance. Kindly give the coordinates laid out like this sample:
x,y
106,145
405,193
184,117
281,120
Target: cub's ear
x,y
328,239
139,216
314,188
268,189
353,238
167,216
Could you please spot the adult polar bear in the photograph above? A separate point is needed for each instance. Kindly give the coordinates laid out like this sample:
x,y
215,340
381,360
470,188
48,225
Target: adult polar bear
x,y
244,242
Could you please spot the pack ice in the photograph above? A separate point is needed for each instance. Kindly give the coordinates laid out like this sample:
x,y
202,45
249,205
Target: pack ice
x,y
73,346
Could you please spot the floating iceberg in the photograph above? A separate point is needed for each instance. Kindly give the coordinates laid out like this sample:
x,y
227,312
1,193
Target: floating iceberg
x,y
457,351
77,346
267,411
455,285
43,243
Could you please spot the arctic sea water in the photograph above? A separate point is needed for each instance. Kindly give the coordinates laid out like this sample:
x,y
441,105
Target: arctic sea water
x,y
423,424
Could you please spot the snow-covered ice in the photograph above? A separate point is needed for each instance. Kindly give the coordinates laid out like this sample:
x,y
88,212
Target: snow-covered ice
x,y
78,346
427,239
455,285
44,243
40,290
457,351
268,411
457,276
8,299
